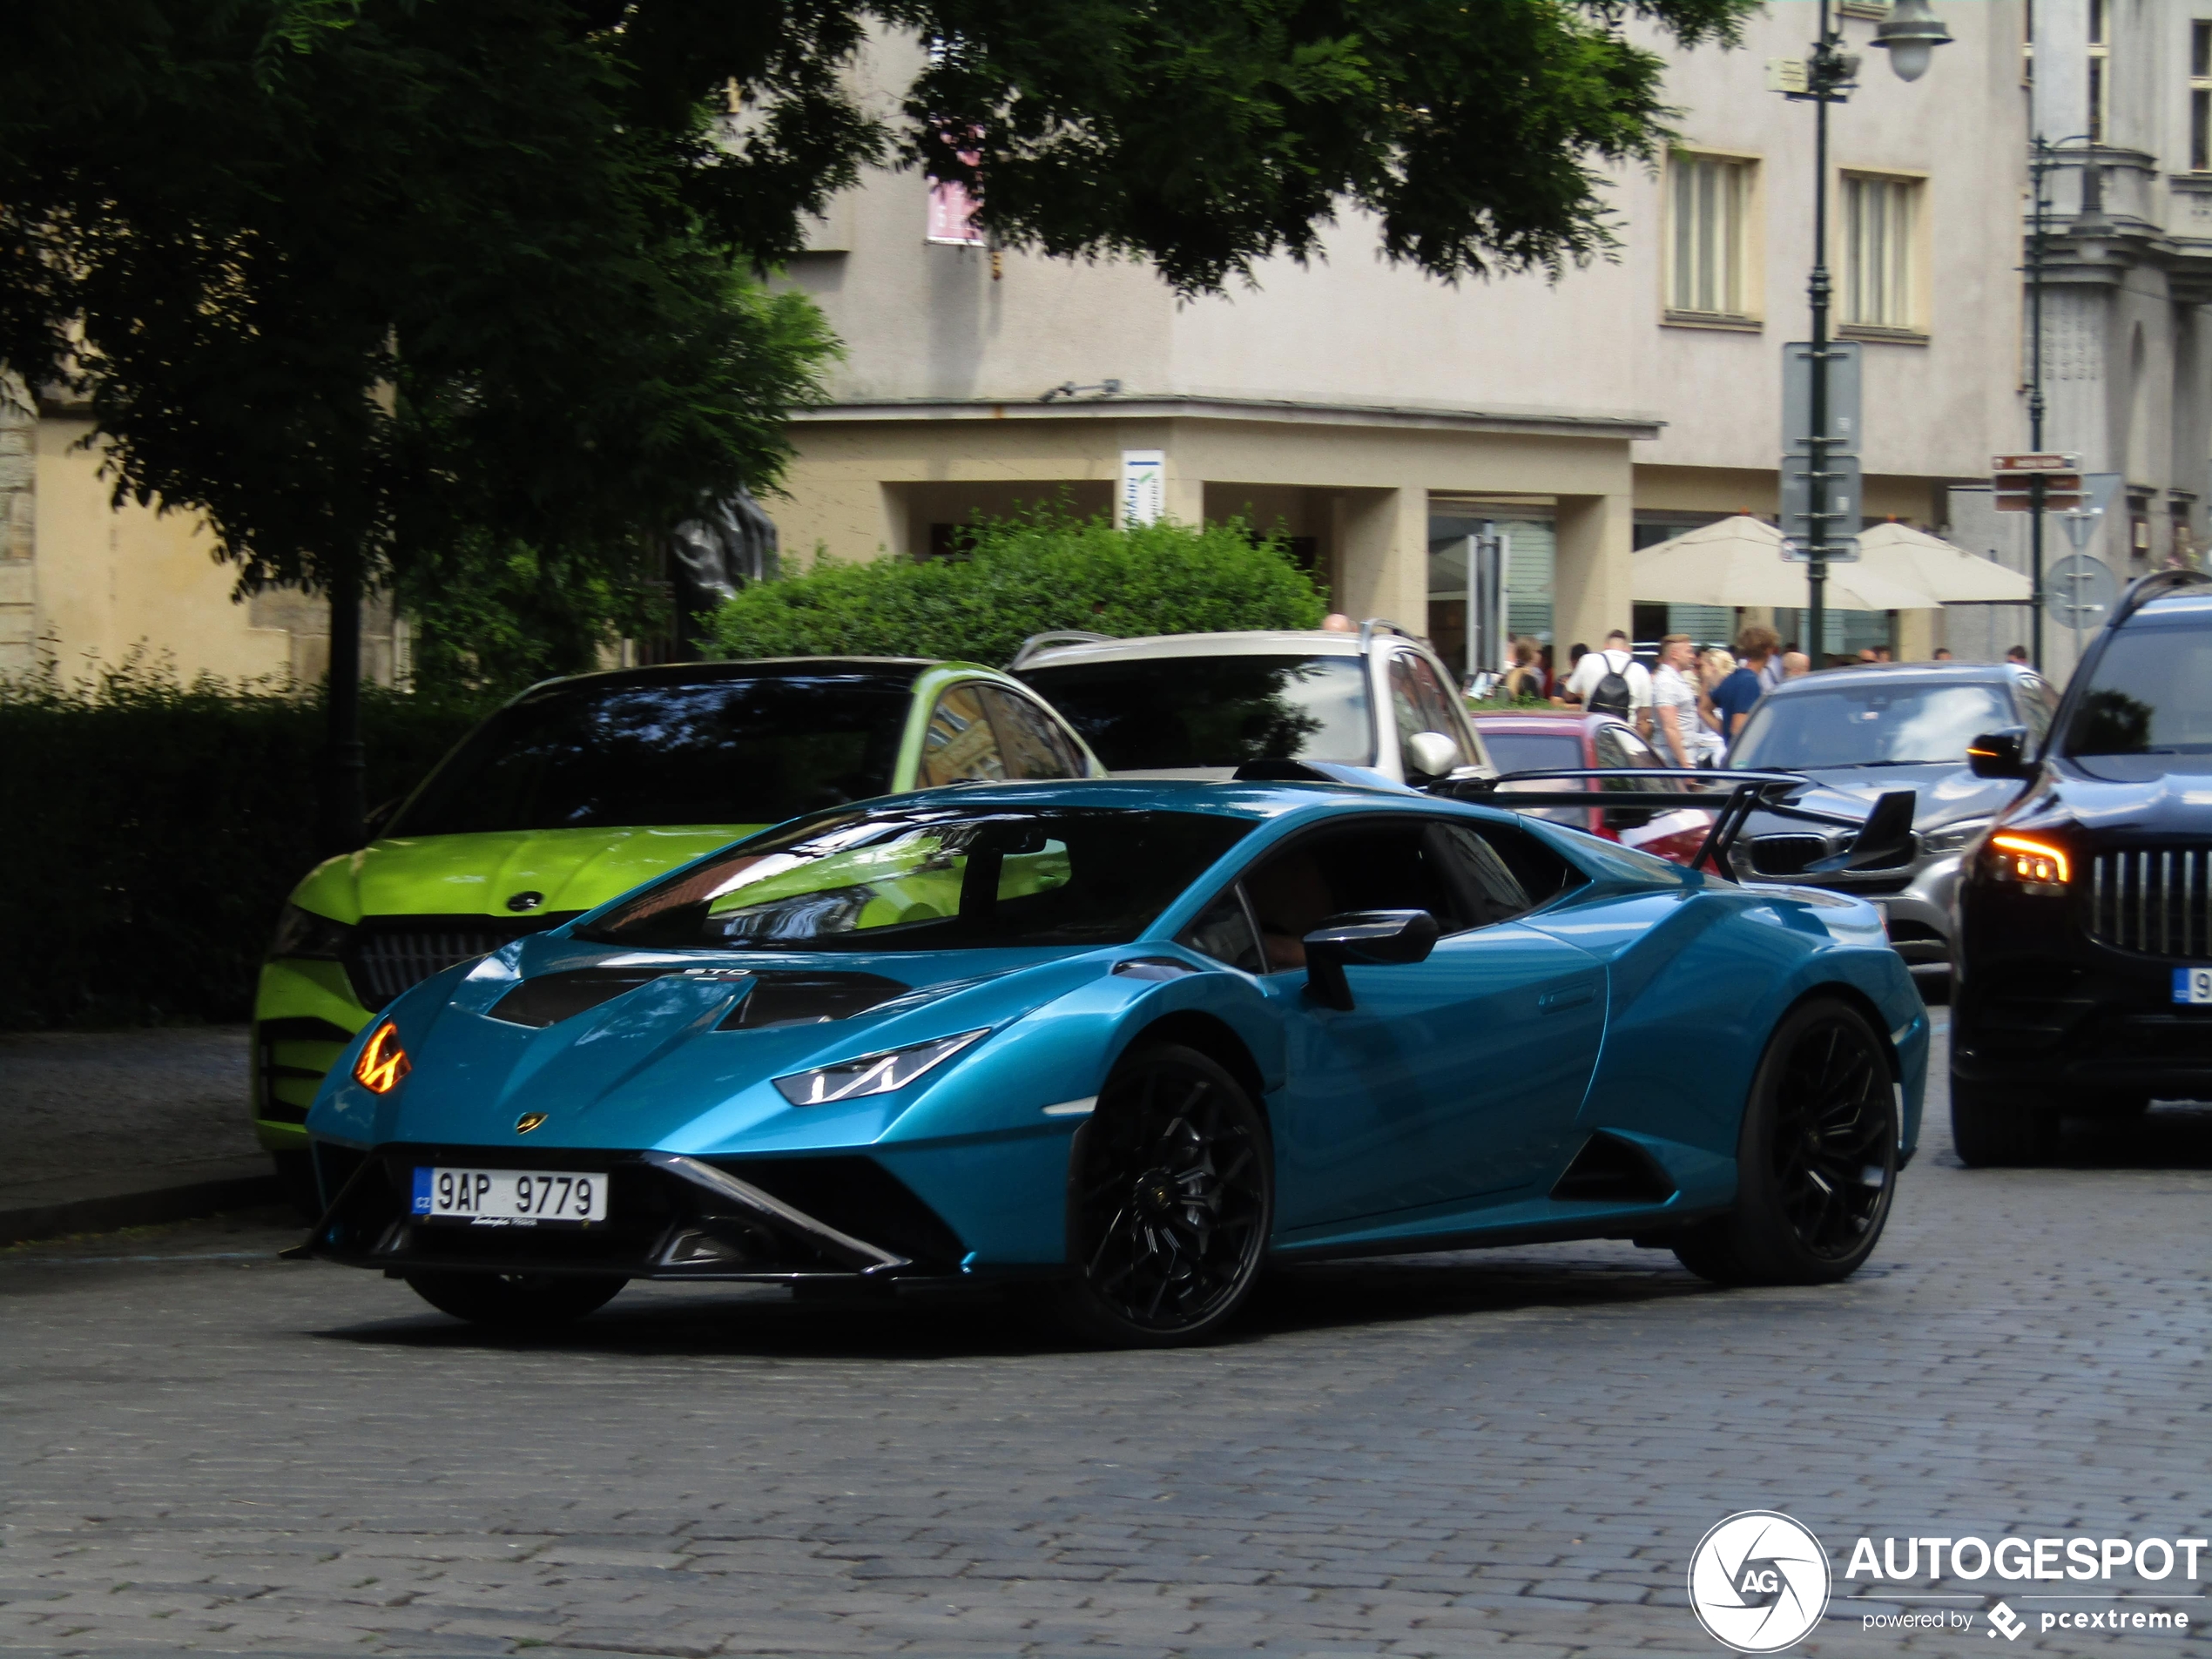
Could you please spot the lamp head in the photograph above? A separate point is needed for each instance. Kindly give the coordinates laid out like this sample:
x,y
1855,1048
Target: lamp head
x,y
1910,35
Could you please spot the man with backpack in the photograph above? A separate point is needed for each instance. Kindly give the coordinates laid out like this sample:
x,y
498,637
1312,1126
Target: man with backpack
x,y
1611,681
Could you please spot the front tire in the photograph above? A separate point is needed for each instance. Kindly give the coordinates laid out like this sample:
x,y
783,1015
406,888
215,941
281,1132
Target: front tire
x,y
1171,1196
1816,1159
515,1301
1993,1125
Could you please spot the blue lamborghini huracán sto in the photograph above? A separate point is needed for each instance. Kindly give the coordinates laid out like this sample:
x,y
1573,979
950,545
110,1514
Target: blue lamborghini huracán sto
x,y
1124,1042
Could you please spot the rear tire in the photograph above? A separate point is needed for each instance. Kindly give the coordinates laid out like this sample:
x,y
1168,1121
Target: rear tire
x,y
1170,1199
1993,1126
1816,1159
514,1301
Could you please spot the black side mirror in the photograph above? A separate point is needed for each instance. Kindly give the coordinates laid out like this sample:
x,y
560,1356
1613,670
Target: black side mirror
x,y
1375,937
2002,753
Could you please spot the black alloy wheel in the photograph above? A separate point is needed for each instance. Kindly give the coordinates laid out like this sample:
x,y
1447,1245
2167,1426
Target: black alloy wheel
x,y
1171,1195
1817,1157
515,1301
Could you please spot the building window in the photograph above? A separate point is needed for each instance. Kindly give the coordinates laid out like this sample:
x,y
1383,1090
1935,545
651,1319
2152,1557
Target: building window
x,y
1881,252
2100,69
2200,97
1708,212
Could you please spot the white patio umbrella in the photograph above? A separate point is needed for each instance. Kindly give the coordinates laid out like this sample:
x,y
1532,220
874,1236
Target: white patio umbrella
x,y
1950,575
1739,562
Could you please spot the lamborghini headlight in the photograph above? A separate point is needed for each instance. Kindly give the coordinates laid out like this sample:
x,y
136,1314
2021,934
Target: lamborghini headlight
x,y
872,1074
383,1063
1954,838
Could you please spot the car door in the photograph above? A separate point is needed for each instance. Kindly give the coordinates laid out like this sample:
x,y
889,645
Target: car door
x,y
1397,1103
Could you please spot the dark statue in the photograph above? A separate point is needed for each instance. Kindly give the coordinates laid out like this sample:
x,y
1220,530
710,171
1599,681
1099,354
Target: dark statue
x,y
729,546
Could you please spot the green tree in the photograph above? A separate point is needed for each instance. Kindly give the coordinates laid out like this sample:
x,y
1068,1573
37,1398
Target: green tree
x,y
1024,576
366,282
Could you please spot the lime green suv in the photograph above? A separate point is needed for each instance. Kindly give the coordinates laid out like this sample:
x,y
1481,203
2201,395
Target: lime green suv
x,y
581,789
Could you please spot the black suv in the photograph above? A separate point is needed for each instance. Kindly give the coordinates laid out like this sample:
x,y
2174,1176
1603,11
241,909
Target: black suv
x,y
2084,936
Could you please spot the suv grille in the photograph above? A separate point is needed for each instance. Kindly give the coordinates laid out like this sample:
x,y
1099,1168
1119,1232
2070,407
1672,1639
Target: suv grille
x,y
2155,899
386,959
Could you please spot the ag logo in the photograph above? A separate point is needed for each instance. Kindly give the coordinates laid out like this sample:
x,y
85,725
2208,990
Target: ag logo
x,y
1758,1582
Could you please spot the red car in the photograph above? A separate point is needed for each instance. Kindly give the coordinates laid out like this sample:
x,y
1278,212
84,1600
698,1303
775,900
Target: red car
x,y
1532,741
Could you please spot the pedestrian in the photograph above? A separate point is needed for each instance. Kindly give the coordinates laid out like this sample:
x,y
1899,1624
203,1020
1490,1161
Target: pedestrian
x,y
1544,661
1524,681
2017,654
1942,654
1795,663
1337,622
1611,681
1759,650
1732,699
1713,669
1563,692
1674,703
1866,656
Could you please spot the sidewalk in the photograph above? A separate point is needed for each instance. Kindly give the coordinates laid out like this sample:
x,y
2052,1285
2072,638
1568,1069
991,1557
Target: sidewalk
x,y
125,1129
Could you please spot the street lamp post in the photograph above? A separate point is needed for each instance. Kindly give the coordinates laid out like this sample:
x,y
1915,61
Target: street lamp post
x,y
1910,36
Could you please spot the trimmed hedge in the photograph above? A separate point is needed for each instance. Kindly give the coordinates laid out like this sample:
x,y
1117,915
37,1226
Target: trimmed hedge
x,y
1025,576
149,832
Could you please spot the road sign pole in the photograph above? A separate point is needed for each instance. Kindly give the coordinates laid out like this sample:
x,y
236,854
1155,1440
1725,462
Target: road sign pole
x,y
2035,496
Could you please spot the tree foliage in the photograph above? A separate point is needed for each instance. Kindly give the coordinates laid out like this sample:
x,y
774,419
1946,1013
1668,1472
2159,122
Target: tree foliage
x,y
1024,576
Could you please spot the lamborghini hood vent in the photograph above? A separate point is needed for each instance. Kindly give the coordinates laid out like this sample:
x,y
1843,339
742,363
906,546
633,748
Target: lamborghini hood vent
x,y
806,999
765,1000
1611,1171
551,998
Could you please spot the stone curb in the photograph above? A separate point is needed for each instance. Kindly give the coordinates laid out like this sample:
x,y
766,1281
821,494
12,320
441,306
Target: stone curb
x,y
135,1199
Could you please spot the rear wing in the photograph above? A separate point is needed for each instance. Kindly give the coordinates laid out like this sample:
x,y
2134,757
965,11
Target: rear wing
x,y
1884,838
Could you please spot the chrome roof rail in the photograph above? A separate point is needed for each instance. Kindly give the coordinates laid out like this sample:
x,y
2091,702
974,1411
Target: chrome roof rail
x,y
1046,641
1375,625
2156,586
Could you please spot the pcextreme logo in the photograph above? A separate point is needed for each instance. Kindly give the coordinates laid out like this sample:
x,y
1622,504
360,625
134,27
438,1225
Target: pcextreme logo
x,y
1758,1582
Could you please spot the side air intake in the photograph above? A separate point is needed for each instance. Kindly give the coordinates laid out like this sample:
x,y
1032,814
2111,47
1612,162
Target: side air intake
x,y
1609,1170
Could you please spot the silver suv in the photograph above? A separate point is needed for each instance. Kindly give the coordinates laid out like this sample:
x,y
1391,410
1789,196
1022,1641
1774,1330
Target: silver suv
x,y
1201,705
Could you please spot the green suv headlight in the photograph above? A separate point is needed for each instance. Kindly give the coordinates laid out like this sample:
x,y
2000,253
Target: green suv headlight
x,y
871,1074
302,933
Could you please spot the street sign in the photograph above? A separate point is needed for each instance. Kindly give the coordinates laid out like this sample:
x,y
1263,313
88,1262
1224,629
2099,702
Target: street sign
x,y
2013,479
1841,550
1844,381
2079,590
1841,495
2035,463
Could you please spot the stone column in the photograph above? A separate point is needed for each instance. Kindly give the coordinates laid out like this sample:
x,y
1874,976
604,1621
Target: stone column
x,y
1590,579
1381,542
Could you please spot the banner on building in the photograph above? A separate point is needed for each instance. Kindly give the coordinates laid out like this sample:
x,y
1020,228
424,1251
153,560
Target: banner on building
x,y
1144,486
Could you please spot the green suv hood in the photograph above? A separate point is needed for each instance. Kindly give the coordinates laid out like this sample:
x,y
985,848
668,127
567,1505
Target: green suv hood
x,y
468,875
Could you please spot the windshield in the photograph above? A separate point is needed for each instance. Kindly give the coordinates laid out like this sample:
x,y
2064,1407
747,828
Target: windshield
x,y
1153,714
715,751
2151,693
932,878
1870,723
1533,751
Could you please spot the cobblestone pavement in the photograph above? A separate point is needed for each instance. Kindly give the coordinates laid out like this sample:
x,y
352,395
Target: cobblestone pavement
x,y
1505,1453
100,1102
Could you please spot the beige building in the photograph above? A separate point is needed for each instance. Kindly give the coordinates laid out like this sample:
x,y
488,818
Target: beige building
x,y
1378,417
1374,416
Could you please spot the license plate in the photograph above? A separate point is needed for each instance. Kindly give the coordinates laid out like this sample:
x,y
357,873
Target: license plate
x,y
510,1197
2193,985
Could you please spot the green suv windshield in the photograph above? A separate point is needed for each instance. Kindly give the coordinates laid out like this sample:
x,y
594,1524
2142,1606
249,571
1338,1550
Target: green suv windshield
x,y
1161,713
931,878
710,750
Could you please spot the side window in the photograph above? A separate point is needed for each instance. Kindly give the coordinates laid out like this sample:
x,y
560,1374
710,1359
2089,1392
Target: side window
x,y
1223,931
1419,702
1511,867
960,746
1392,866
1034,747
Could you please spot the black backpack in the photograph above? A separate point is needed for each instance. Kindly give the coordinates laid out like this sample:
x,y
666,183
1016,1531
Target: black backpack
x,y
1611,694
